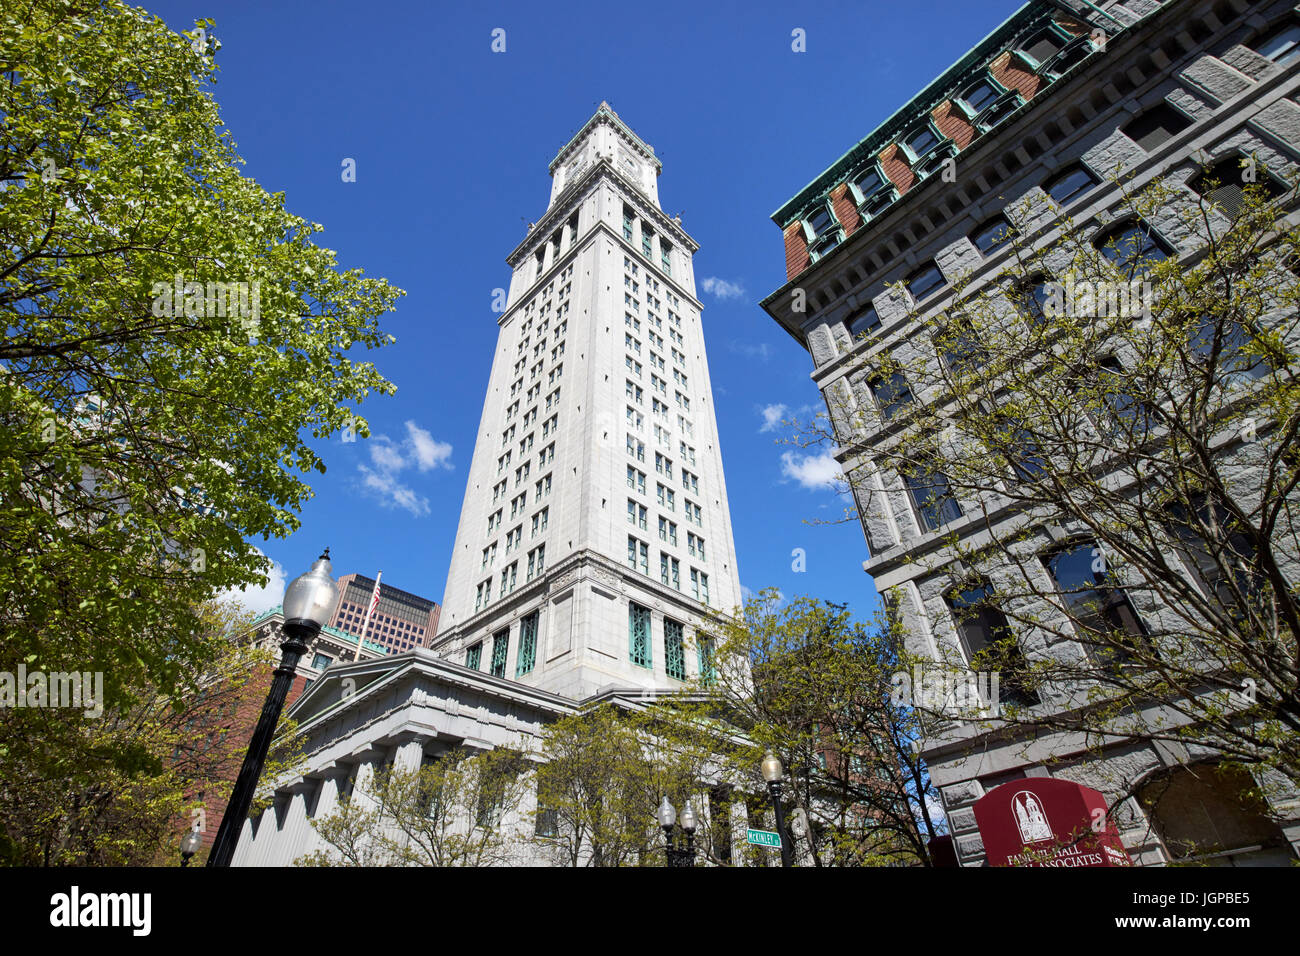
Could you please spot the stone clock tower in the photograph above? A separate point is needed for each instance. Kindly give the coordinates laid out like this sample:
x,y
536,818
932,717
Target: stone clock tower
x,y
594,537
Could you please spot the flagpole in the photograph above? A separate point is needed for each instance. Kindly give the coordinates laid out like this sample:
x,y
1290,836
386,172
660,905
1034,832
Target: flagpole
x,y
370,610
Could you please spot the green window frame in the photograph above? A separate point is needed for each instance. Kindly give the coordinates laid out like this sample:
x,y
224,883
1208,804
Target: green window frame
x,y
500,651
527,644
474,656
638,630
674,650
708,669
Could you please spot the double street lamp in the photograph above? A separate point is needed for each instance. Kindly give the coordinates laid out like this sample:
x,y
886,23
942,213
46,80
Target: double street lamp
x,y
308,602
681,851
772,772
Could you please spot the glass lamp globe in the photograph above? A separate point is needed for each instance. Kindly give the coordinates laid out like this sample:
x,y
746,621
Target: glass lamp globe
x,y
311,597
688,818
190,843
667,815
772,768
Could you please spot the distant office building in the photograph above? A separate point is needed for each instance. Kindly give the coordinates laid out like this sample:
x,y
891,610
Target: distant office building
x,y
1044,108
401,620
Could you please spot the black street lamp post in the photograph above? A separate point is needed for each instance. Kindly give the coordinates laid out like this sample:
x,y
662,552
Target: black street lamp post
x,y
772,771
308,602
681,852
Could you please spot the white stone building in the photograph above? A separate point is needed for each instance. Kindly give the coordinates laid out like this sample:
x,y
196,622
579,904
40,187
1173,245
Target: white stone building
x,y
595,538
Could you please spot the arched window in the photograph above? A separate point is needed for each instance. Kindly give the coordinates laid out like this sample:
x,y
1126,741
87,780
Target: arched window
x,y
1070,183
1211,813
1131,245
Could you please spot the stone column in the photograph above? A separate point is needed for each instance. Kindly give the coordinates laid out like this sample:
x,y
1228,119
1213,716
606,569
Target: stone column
x,y
294,834
327,801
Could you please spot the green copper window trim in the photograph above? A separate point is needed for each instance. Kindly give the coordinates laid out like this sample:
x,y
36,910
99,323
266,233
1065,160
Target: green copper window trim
x,y
969,112
500,651
674,650
474,656
708,670
638,635
527,644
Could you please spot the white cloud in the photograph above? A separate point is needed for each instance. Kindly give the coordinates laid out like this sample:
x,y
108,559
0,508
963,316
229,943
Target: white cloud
x,y
812,471
391,493
755,350
722,289
772,415
428,452
260,599
389,459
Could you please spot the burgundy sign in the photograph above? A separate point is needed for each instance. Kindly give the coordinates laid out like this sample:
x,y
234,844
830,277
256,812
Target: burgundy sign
x,y
1043,821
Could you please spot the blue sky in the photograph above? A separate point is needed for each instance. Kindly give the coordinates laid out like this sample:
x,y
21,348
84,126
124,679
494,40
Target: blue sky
x,y
451,143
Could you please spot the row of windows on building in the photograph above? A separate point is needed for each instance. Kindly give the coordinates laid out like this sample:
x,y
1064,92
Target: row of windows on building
x,y
551,250
1129,244
508,579
383,627
986,103
1120,415
641,645
667,497
654,247
638,559
525,658
983,101
1098,606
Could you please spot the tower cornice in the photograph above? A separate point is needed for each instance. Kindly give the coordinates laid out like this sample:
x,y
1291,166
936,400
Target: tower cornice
x,y
568,199
605,115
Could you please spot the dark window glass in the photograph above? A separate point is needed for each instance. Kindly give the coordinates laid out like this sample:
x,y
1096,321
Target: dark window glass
x,y
1155,126
1096,607
924,281
1023,452
1128,414
1031,299
892,394
1281,45
984,632
961,348
988,235
869,183
1224,185
820,220
1222,557
1224,341
1131,246
932,497
1070,184
1042,45
922,140
546,823
980,95
864,322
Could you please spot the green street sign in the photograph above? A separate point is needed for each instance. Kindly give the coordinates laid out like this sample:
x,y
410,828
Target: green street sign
x,y
764,838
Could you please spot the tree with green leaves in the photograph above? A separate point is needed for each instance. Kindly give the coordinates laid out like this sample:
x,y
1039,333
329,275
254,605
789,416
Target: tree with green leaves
x,y
174,340
117,787
461,809
1104,437
803,679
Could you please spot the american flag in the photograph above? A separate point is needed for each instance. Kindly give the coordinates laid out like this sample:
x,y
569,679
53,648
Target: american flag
x,y
365,628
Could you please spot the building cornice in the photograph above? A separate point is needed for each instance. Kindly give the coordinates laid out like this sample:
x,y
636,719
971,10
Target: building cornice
x,y
605,115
